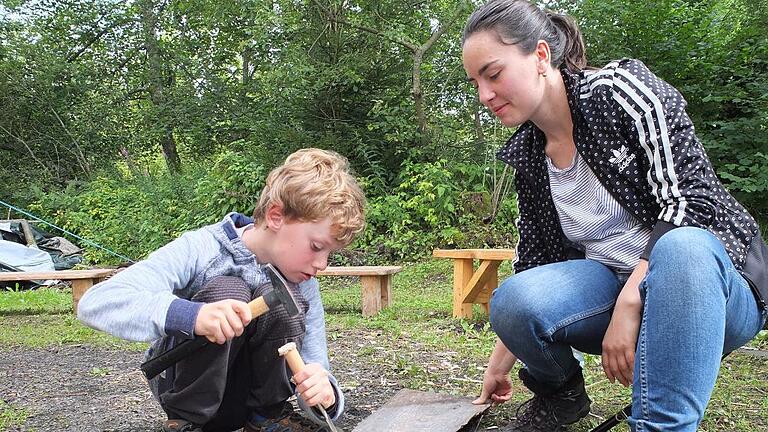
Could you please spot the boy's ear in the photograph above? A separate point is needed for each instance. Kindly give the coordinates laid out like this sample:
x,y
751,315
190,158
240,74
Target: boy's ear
x,y
274,217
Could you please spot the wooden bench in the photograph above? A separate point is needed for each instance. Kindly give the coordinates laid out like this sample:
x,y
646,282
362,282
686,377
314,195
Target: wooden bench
x,y
470,285
376,282
81,279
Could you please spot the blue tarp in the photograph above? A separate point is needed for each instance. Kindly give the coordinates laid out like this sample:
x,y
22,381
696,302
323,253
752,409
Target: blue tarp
x,y
25,258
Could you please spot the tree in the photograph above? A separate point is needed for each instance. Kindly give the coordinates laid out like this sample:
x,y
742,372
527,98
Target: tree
x,y
417,50
161,79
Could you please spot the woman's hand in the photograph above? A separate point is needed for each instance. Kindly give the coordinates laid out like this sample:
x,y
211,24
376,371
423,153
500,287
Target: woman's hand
x,y
313,385
620,340
222,320
497,387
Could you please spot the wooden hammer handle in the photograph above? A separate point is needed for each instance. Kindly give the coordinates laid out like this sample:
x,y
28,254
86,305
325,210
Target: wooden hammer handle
x,y
258,307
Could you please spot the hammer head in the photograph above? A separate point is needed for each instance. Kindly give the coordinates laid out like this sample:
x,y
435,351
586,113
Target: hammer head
x,y
280,294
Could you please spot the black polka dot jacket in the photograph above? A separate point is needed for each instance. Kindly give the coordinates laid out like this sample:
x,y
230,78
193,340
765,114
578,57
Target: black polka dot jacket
x,y
631,128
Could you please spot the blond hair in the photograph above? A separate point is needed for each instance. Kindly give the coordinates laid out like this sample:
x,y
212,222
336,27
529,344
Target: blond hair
x,y
313,184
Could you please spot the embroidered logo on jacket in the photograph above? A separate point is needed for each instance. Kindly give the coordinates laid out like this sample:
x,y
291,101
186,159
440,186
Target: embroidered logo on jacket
x,y
621,157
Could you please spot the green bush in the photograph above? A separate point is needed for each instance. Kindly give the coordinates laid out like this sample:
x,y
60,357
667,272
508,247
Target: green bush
x,y
136,214
436,204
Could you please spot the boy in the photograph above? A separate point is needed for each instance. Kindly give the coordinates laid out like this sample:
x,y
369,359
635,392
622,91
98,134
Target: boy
x,y
199,284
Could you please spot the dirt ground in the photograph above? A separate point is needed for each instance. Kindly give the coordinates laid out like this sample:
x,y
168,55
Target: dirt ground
x,y
83,388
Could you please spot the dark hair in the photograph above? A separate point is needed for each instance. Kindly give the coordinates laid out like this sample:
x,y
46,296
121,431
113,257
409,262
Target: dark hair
x,y
518,22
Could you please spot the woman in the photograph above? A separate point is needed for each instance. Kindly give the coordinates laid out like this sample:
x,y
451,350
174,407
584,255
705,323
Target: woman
x,y
629,244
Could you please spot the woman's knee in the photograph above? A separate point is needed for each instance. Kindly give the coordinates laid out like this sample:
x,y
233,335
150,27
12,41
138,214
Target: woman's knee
x,y
517,299
686,245
687,258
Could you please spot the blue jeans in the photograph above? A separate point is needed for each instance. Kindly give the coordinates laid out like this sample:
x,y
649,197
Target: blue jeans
x,y
696,308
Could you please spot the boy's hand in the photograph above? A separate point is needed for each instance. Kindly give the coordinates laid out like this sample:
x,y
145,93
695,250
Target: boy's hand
x,y
314,387
222,320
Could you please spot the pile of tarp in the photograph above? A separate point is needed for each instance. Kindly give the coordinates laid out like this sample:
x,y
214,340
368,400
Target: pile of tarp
x,y
45,252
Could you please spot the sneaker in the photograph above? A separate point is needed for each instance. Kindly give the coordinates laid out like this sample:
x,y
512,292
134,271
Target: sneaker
x,y
179,425
265,425
288,423
550,410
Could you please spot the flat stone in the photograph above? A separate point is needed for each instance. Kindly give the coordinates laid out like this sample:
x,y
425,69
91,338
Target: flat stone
x,y
417,411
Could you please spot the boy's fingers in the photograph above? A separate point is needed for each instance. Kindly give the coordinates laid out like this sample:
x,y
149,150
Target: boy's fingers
x,y
500,398
627,369
234,323
243,311
631,364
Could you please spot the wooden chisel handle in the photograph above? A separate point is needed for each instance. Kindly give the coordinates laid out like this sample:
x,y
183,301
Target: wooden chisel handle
x,y
292,357
296,363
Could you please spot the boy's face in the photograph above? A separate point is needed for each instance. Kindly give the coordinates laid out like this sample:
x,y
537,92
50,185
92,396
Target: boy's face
x,y
300,249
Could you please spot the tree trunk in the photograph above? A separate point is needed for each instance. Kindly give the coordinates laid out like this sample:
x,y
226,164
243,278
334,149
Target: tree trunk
x,y
157,86
479,133
418,58
418,96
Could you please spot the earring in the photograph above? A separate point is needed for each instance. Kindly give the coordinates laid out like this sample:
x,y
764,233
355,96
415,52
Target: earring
x,y
544,74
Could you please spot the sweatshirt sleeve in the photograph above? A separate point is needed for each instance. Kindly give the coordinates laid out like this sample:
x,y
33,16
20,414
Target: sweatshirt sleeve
x,y
653,116
314,349
139,303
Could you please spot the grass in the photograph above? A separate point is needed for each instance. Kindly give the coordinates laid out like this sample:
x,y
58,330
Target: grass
x,y
415,340
39,301
11,417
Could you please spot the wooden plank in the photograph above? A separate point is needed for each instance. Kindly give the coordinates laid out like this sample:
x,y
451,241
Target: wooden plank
x,y
491,254
25,228
485,297
28,236
359,270
462,273
485,272
60,275
418,411
371,294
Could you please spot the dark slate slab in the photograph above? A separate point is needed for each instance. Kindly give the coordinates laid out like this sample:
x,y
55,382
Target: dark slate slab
x,y
416,411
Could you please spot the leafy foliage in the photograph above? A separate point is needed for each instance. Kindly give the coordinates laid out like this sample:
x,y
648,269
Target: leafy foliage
x,y
246,83
134,215
716,53
437,204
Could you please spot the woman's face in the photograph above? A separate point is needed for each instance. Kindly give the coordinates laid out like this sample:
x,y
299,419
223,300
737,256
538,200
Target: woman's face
x,y
508,82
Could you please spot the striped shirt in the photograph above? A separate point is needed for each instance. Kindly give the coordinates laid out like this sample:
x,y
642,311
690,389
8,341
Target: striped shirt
x,y
591,217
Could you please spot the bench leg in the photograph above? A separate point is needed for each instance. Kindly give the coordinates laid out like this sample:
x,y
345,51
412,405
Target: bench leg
x,y
386,290
462,273
79,287
372,294
490,286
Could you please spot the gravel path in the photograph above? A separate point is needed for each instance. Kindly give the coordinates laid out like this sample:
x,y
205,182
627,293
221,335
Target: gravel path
x,y
78,388
82,388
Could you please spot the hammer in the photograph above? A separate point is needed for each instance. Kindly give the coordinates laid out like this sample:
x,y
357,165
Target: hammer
x,y
279,295
293,358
